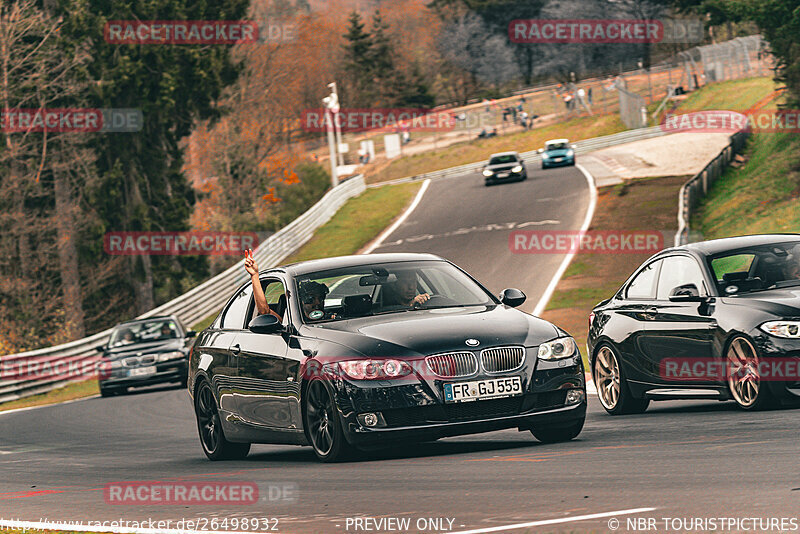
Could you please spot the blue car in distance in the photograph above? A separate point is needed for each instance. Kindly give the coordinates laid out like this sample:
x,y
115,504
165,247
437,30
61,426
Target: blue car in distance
x,y
557,152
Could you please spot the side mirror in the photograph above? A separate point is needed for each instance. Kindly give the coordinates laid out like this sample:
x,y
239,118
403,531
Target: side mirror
x,y
572,146
686,293
265,324
101,348
512,297
540,151
190,333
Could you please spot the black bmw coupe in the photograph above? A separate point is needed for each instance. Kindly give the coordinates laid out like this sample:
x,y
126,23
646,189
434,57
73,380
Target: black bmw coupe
x,y
362,351
712,320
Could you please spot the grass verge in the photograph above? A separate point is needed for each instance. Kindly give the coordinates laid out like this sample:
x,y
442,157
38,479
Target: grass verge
x,y
762,196
77,390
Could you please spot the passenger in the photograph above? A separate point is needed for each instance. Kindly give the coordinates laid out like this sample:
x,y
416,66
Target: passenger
x,y
251,267
403,292
127,338
792,269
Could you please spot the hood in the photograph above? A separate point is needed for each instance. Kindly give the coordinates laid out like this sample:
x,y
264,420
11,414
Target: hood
x,y
166,345
502,166
424,332
779,302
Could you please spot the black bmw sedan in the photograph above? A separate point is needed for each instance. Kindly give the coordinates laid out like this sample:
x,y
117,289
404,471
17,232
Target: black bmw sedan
x,y
144,352
712,320
363,351
504,167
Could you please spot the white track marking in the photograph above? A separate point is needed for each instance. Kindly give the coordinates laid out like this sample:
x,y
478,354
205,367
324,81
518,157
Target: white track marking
x,y
386,233
556,521
548,293
15,410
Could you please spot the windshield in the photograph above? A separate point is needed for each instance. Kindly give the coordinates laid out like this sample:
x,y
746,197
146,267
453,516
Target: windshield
x,y
385,288
499,160
143,332
757,268
557,146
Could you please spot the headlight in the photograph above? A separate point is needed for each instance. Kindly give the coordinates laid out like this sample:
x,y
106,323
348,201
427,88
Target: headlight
x,y
487,172
375,369
545,155
787,329
516,168
563,347
570,153
166,356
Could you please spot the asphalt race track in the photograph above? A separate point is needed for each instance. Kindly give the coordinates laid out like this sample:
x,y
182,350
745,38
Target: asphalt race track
x,y
678,460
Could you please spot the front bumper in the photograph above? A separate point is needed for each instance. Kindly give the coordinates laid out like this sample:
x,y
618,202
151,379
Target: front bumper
x,y
565,160
414,410
508,176
169,371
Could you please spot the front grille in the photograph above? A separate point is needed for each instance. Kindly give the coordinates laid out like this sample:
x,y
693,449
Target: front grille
x,y
138,361
502,359
467,411
452,364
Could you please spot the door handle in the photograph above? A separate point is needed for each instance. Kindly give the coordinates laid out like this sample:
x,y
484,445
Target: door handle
x,y
650,313
236,349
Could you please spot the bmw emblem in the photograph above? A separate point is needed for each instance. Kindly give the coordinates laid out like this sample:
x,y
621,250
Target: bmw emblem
x,y
472,342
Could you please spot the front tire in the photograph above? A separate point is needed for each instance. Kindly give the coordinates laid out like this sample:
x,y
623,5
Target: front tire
x,y
744,380
558,434
322,424
612,387
209,425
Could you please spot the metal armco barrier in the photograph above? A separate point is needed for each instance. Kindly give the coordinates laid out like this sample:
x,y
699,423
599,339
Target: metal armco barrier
x,y
581,147
697,187
58,363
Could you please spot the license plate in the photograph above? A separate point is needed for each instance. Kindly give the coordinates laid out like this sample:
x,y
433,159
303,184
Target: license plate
x,y
482,389
143,371
557,159
502,175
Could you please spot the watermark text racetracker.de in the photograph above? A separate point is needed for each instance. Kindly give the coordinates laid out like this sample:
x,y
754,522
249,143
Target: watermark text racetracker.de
x,y
391,119
716,370
599,31
172,493
592,242
726,121
179,243
81,120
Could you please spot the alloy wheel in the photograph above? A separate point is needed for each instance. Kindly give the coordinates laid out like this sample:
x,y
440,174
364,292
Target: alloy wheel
x,y
606,377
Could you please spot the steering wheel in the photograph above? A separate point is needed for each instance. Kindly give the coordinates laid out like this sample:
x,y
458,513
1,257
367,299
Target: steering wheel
x,y
436,300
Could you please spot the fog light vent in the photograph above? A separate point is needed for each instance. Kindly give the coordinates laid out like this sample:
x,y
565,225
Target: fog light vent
x,y
371,420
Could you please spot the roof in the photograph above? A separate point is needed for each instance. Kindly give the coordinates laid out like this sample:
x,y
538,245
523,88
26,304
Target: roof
x,y
556,141
717,246
325,264
145,319
511,153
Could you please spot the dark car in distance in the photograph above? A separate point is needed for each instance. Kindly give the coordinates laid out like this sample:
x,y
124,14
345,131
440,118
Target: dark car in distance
x,y
711,320
144,352
367,351
556,153
504,167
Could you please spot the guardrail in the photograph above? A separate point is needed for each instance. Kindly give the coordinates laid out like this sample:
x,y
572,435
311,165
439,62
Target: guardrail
x,y
696,188
581,147
54,367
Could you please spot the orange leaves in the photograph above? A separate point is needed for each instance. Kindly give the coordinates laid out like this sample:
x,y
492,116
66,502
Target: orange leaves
x,y
270,197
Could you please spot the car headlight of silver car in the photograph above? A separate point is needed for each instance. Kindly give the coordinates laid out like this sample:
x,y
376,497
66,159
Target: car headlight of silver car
x,y
487,172
166,356
516,168
563,347
785,329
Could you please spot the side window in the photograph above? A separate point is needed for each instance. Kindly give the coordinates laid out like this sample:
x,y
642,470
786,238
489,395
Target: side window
x,y
273,291
678,271
233,317
644,285
739,263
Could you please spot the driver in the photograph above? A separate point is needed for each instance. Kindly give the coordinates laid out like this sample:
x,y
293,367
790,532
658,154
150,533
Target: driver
x,y
312,298
166,331
792,269
404,290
